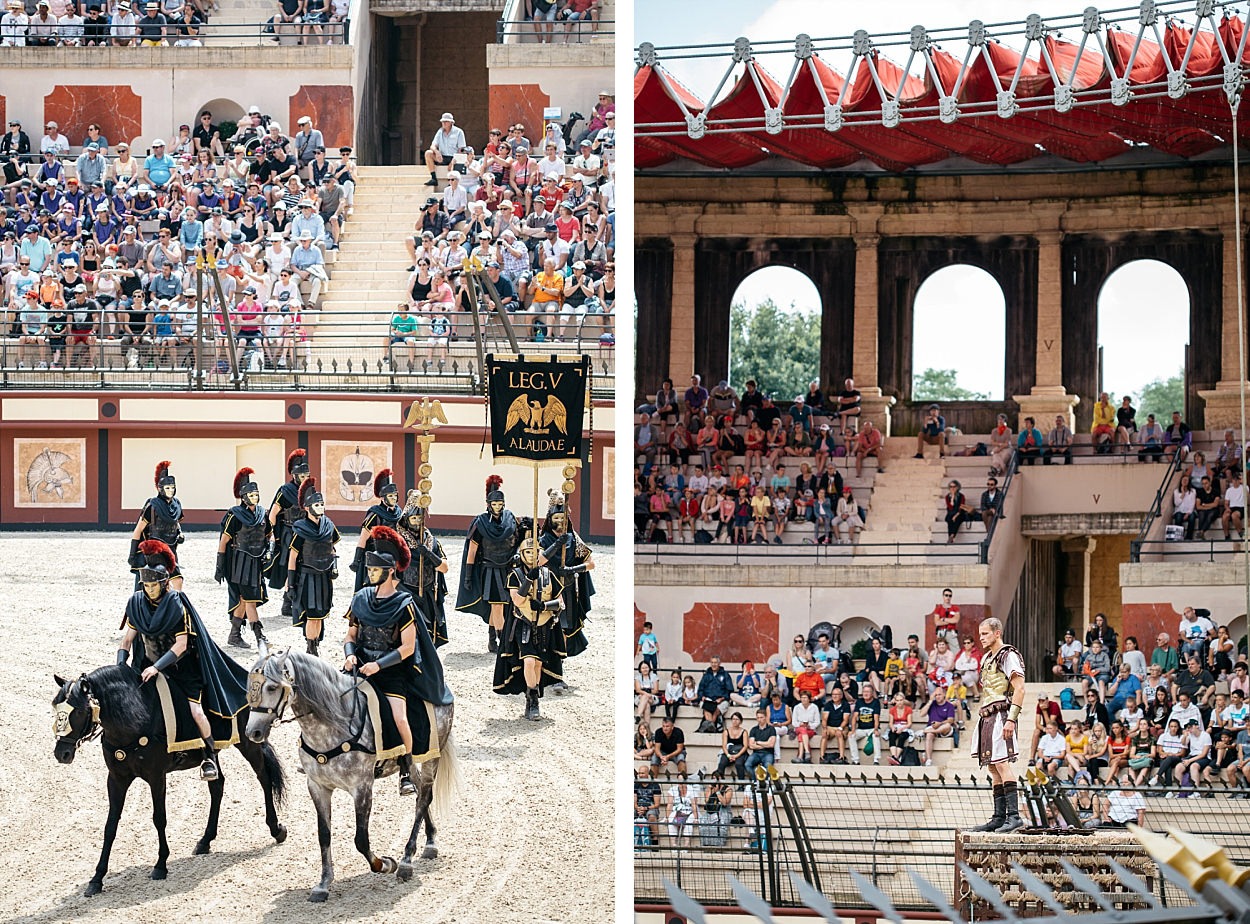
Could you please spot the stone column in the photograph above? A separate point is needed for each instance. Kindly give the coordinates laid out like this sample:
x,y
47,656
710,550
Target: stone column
x,y
1048,396
864,349
681,358
1079,551
1223,405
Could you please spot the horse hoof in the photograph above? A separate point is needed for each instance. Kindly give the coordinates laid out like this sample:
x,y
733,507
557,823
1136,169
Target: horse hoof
x,y
93,888
202,847
404,873
387,865
430,852
159,872
318,895
279,834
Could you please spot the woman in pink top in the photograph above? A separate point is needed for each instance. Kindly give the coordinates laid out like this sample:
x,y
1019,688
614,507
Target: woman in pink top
x,y
900,726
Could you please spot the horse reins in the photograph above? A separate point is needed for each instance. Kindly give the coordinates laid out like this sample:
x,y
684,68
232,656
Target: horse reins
x,y
94,728
321,757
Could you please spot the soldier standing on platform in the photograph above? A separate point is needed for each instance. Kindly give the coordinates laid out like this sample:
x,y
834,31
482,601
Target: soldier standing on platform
x,y
994,744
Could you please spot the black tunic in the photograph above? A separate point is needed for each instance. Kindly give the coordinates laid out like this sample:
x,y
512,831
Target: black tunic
x,y
578,587
249,532
496,539
161,518
314,579
526,635
287,499
379,623
427,584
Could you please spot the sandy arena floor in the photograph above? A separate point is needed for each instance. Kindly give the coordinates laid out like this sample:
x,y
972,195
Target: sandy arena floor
x,y
532,840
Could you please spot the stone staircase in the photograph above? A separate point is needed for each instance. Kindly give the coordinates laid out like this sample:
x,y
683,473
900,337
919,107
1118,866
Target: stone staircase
x,y
903,496
238,20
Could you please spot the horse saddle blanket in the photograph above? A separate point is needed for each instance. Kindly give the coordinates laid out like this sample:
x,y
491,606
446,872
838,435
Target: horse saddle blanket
x,y
386,734
180,731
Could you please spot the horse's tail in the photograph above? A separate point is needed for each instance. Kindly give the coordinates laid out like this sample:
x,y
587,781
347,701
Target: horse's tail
x,y
447,780
277,775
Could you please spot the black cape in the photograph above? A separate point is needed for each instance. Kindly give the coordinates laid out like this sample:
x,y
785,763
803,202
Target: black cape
x,y
323,529
578,589
288,492
225,680
167,508
471,599
425,680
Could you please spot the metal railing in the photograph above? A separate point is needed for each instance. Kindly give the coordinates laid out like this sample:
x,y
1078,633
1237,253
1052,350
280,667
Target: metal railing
x,y
326,350
510,31
861,553
241,34
890,825
1156,508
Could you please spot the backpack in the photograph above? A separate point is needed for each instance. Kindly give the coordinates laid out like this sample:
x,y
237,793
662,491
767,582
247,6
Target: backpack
x,y
910,758
1067,698
702,537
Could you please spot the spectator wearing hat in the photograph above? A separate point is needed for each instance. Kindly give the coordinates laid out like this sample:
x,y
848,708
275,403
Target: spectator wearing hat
x,y
152,27
307,140
552,247
331,206
513,256
504,220
447,142
308,219
124,24
13,26
52,140
534,226
309,266
15,141
599,114
36,248
42,26
504,297
344,173
158,167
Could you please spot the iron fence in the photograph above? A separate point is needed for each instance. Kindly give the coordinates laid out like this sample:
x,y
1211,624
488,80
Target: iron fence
x,y
822,827
509,31
865,553
239,34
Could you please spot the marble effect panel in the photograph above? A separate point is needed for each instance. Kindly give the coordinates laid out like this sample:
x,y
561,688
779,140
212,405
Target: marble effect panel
x,y
735,632
332,109
1143,620
523,103
117,109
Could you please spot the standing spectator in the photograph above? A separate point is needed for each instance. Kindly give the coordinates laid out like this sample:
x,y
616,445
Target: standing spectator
x,y
932,432
649,646
867,725
946,618
448,141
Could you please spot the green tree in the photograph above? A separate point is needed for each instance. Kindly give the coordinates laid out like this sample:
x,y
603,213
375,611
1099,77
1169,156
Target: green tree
x,y
1161,397
941,385
779,349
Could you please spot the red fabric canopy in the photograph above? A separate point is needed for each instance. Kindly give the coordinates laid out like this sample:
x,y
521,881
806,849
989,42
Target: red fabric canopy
x,y
1092,130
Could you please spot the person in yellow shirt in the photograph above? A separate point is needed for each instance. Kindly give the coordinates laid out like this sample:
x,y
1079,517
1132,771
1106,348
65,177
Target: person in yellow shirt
x,y
894,674
761,513
1077,737
1103,430
548,289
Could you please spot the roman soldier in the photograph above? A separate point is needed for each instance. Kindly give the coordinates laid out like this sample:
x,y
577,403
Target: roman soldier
x,y
531,646
994,744
160,519
386,640
173,641
312,565
283,512
571,560
487,559
426,577
243,552
384,513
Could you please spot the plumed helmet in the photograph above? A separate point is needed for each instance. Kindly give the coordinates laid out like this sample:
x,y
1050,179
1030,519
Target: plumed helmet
x,y
162,477
243,483
389,550
384,484
493,483
309,495
159,562
297,462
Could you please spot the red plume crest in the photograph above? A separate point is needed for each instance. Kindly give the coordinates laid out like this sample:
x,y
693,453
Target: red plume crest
x,y
382,477
308,487
293,457
162,469
493,483
386,534
156,547
242,477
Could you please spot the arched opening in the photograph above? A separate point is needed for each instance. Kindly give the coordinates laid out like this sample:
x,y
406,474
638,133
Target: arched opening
x,y
774,332
1143,338
224,111
959,336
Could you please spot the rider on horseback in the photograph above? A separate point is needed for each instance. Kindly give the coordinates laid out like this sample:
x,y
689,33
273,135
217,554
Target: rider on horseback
x,y
386,640
177,645
283,511
384,513
242,552
531,647
312,565
488,551
159,520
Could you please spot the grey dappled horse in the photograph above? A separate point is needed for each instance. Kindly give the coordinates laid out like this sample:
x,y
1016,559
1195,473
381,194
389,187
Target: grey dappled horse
x,y
329,708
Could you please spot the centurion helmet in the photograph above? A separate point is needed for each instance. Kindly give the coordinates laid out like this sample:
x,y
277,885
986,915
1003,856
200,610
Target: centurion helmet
x,y
163,479
244,485
389,550
308,493
493,493
297,462
384,485
159,563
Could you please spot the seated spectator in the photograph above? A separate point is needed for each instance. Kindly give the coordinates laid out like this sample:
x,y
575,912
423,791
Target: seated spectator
x,y
1068,662
1095,669
669,749
1047,710
660,506
1208,507
1151,438
689,509
1125,687
1198,757
868,443
733,749
1221,653
646,441
800,414
1058,442
1134,658
835,726
1052,750
809,679
939,718
1121,806
847,524
782,512
1102,430
673,693
899,731
958,510
747,689
1001,446
822,514
1125,423
1183,502
1234,506
1172,748
1186,708
1228,459
646,692
775,444
1141,760
1179,437
646,808
695,400
762,741
932,432
849,402
1029,442
447,142
991,505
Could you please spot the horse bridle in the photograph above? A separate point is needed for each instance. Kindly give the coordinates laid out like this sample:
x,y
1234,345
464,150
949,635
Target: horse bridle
x,y
255,679
62,711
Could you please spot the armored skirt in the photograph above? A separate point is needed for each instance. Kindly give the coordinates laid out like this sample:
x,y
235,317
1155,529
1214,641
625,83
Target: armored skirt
x,y
524,637
988,744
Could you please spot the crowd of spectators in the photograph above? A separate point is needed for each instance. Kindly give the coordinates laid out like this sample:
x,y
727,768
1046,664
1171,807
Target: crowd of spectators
x,y
688,487
542,226
1175,723
102,247
1210,493
567,20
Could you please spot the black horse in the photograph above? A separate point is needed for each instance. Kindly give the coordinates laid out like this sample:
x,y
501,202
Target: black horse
x,y
115,705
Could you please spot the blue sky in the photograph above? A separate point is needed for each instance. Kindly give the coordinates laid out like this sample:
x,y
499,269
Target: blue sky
x,y
1143,308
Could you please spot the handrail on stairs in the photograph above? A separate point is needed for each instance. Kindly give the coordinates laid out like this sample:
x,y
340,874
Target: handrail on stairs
x,y
1156,507
1012,464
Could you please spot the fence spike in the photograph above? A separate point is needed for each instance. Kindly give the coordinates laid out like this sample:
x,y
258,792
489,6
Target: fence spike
x,y
320,365
933,895
748,901
875,897
809,896
683,904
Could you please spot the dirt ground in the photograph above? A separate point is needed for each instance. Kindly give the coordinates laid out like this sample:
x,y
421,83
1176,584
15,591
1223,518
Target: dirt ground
x,y
531,841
